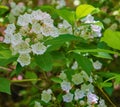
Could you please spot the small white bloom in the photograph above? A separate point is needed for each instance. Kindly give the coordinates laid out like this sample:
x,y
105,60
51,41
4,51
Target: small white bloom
x,y
77,79
46,96
97,65
65,27
102,103
10,29
38,48
87,88
88,19
7,38
37,104
36,28
60,4
75,65
24,20
36,15
16,39
92,98
68,97
79,94
63,76
66,86
82,102
49,31
24,59
22,47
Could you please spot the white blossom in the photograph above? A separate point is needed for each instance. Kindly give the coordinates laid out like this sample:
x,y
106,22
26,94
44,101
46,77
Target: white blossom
x,y
7,38
79,94
16,39
36,28
88,19
24,59
66,86
77,78
24,20
10,29
37,104
60,4
92,98
63,76
97,65
49,31
75,65
36,15
38,48
101,103
87,88
68,97
46,96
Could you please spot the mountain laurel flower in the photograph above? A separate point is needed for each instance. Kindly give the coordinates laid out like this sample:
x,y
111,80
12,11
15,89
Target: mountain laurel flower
x,y
37,104
16,39
46,96
10,29
60,4
48,30
87,88
22,47
77,78
97,65
68,97
36,28
63,76
75,65
79,94
65,27
24,59
38,48
36,15
7,38
66,86
101,103
24,20
92,98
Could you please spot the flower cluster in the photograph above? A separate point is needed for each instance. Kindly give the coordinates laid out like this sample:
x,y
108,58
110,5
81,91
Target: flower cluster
x,y
29,34
89,28
85,95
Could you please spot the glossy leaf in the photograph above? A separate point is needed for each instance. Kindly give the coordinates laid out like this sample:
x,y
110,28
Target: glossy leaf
x,y
5,85
3,9
112,38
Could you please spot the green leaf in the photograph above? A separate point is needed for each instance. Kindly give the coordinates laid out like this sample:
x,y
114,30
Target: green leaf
x,y
67,15
3,9
112,38
109,90
62,39
56,79
5,85
84,10
44,61
84,62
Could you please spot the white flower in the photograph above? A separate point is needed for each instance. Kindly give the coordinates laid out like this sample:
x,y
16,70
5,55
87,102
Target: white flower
x,y
97,29
36,15
88,19
36,28
102,103
77,79
79,94
63,76
66,86
24,20
60,4
75,65
37,104
68,97
24,59
87,88
97,65
92,98
46,96
49,31
7,38
16,39
22,47
10,29
38,48
65,27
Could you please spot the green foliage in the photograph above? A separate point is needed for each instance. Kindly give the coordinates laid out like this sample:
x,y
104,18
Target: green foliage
x,y
112,38
3,9
5,85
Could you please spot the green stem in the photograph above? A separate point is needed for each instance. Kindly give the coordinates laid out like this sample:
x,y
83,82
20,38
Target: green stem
x,y
95,50
113,105
25,80
110,79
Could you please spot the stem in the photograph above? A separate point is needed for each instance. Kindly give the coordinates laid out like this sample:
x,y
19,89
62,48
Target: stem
x,y
110,79
5,69
113,105
25,80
